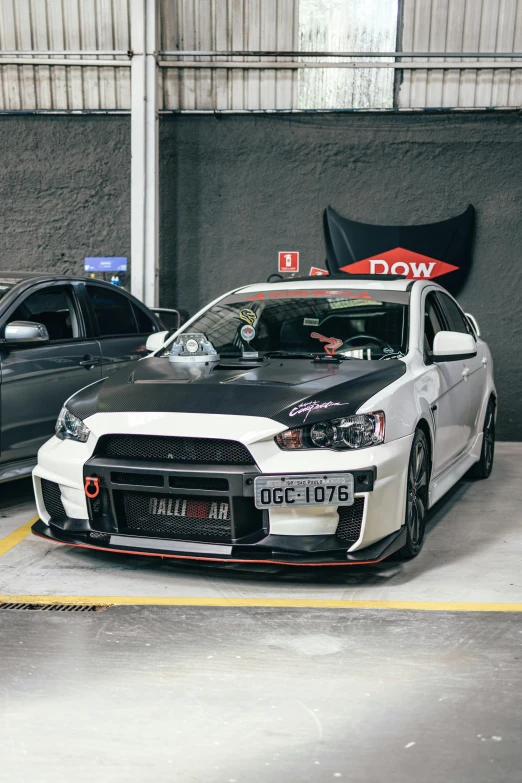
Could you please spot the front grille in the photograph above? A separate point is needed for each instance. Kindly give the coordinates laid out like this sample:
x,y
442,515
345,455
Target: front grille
x,y
52,498
189,482
171,516
170,449
138,479
350,521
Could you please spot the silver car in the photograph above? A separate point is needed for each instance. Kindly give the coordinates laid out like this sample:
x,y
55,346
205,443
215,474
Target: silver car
x,y
57,335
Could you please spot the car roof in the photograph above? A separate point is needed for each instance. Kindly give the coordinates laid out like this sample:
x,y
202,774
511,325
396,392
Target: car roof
x,y
392,283
39,277
21,282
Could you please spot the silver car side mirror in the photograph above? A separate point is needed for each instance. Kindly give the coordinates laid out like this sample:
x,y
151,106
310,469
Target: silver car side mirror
x,y
22,333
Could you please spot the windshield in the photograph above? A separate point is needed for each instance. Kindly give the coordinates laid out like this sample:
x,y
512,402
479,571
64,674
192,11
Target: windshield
x,y
353,324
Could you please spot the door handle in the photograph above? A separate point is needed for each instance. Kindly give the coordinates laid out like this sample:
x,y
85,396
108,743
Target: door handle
x,y
484,361
89,361
465,372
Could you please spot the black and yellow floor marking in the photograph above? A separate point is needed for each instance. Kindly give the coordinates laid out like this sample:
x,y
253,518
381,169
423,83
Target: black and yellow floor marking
x,y
14,538
290,603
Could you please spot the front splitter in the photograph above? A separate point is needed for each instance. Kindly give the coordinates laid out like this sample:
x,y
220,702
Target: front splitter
x,y
368,556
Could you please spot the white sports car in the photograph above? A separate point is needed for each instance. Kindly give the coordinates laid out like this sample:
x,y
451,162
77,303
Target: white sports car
x,y
304,422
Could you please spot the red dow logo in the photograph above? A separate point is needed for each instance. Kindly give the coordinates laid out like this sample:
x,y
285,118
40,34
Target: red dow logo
x,y
400,262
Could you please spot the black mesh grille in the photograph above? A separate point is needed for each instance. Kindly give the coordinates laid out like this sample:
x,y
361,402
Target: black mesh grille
x,y
52,498
189,482
188,450
171,516
350,520
95,504
138,479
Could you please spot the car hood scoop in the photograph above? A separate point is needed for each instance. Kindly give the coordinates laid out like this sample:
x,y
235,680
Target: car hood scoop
x,y
291,391
271,373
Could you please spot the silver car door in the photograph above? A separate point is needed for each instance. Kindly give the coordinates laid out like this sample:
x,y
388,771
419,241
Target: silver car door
x,y
451,409
36,381
474,370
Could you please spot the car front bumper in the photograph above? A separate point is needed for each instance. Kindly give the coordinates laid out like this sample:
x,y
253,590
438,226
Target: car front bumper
x,y
366,532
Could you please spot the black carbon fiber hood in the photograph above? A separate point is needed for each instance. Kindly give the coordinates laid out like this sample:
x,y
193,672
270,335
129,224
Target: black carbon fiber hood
x,y
291,391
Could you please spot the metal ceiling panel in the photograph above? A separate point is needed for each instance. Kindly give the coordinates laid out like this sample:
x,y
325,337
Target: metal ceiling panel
x,y
64,25
225,25
357,26
460,26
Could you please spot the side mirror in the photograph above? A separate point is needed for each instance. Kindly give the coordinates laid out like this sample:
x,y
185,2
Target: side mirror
x,y
25,333
451,346
473,322
156,341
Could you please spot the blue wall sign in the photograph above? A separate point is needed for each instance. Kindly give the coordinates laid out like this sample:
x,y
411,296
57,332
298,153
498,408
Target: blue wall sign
x,y
109,264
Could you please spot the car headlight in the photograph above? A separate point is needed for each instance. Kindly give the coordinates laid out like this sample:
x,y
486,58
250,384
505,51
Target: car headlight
x,y
350,432
70,427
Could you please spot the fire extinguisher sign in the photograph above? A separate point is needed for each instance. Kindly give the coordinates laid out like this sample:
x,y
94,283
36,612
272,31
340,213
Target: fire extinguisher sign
x,y
288,261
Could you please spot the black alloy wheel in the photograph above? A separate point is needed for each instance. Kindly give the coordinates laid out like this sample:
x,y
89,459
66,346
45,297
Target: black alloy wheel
x,y
416,496
482,469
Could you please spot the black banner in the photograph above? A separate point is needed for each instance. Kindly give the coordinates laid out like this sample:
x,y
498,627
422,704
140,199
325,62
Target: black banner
x,y
440,250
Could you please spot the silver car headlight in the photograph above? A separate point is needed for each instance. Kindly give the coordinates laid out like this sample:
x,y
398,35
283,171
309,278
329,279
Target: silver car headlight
x,y
350,432
70,427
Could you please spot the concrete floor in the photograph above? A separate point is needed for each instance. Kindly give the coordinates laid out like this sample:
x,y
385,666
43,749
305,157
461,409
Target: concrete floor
x,y
266,693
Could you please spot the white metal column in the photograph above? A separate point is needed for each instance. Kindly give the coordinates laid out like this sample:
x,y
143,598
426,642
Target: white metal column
x,y
144,152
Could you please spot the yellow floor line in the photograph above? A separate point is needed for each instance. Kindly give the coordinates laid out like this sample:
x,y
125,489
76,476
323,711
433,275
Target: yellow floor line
x,y
16,536
298,603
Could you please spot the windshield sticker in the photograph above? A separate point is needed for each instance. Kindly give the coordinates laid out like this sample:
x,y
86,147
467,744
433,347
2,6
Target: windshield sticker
x,y
391,354
248,332
311,322
306,408
343,303
248,315
332,343
309,294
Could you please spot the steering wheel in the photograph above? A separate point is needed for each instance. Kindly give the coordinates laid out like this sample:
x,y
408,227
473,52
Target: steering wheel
x,y
363,339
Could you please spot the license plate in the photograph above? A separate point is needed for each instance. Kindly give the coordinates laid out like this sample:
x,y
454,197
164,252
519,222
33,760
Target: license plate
x,y
335,489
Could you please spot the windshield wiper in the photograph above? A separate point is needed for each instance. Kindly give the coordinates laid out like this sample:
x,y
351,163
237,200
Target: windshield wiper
x,y
285,354
317,357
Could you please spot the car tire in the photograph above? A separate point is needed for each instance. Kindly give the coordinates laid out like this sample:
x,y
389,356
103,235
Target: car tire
x,y
482,469
417,488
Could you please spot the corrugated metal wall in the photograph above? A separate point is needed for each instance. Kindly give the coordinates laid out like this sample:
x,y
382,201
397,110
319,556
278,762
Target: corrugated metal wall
x,y
459,26
357,26
427,25
219,25
58,25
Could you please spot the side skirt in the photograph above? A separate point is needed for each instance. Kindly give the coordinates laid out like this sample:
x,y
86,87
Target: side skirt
x,y
440,485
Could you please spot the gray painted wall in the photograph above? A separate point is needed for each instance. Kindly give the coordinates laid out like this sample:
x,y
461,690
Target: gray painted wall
x,y
64,191
235,190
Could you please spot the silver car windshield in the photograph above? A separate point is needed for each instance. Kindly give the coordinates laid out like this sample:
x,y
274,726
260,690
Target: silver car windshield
x,y
345,323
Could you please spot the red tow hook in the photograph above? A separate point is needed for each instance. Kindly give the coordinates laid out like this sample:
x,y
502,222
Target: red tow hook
x,y
92,486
